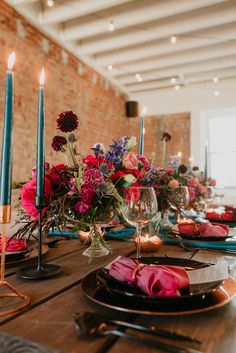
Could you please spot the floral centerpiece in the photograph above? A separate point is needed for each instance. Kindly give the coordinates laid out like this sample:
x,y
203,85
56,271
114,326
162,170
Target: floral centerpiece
x,y
88,190
196,182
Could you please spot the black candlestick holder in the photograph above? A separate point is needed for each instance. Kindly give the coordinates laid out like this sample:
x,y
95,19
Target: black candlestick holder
x,y
39,271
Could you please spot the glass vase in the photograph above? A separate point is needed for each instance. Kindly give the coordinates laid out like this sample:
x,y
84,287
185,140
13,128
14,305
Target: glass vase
x,y
98,247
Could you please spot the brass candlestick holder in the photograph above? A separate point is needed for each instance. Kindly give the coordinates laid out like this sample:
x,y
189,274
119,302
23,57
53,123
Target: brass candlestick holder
x,y
12,293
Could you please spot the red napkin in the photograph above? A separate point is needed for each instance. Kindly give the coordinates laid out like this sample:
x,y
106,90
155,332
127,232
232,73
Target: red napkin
x,y
154,280
13,245
215,230
226,216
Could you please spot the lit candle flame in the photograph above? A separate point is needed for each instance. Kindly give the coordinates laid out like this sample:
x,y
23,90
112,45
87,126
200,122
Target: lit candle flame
x,y
42,78
179,154
11,60
145,109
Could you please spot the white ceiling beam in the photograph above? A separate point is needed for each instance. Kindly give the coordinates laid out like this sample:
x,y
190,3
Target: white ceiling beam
x,y
183,70
72,9
196,40
21,2
137,13
217,15
185,57
188,80
210,74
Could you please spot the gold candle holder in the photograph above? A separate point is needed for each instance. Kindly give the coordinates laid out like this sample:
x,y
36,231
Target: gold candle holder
x,y
5,217
149,244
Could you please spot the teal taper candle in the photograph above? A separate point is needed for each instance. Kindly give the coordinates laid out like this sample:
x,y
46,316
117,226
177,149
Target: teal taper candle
x,y
142,132
40,140
6,161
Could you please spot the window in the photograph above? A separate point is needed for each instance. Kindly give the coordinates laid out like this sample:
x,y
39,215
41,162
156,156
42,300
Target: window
x,y
220,132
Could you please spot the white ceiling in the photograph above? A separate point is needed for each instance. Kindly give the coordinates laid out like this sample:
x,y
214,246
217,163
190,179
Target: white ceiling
x,y
140,43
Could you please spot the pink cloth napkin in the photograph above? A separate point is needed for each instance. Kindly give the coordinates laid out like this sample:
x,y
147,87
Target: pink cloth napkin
x,y
13,245
209,229
154,280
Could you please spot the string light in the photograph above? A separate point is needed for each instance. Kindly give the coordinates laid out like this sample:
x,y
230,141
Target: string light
x,y
50,3
216,93
173,80
177,87
138,77
173,39
215,79
111,26
110,67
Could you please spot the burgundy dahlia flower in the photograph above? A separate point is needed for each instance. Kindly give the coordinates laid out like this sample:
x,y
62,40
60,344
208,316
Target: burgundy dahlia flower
x,y
67,121
166,136
58,142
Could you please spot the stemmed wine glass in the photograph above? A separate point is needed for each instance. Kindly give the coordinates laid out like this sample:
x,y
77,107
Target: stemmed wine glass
x,y
138,209
184,196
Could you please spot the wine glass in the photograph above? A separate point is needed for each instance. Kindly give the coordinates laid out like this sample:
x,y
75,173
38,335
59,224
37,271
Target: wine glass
x,y
138,209
184,196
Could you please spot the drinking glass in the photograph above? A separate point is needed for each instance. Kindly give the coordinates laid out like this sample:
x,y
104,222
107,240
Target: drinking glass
x,y
184,196
138,209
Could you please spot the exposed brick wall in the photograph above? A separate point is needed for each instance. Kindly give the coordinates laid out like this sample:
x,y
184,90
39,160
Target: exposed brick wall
x,y
177,125
70,85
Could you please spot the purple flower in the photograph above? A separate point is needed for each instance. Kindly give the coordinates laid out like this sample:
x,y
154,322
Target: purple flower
x,y
58,142
67,121
116,151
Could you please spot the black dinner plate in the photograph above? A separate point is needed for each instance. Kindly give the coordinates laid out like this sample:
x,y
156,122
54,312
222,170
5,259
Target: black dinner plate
x,y
229,223
14,255
199,238
194,292
113,295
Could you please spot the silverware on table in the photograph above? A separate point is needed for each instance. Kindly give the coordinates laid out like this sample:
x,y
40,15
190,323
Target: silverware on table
x,y
94,324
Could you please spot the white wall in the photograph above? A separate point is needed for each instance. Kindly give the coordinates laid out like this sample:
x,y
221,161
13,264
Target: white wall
x,y
194,99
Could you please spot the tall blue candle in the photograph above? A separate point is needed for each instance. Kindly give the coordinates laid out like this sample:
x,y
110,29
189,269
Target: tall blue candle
x,y
142,132
6,162
40,141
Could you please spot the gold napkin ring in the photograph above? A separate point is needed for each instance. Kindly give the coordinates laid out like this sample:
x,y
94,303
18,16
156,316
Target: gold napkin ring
x,y
137,269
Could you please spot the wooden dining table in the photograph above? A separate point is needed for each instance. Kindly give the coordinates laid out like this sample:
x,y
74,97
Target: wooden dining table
x,y
48,319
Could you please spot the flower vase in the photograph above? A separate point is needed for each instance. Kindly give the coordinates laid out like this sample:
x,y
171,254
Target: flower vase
x,y
99,247
165,223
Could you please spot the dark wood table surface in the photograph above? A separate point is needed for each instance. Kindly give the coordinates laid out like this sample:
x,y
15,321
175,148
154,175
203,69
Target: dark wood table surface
x,y
49,319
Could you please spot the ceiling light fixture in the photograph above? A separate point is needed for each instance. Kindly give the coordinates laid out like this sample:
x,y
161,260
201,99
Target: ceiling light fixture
x,y
173,80
50,3
173,39
138,77
177,87
111,26
215,79
216,93
110,67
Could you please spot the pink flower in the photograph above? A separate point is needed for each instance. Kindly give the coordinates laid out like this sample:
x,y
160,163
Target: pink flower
x,y
170,171
130,161
202,189
212,182
92,176
193,182
82,207
192,194
174,184
86,194
28,196
145,162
